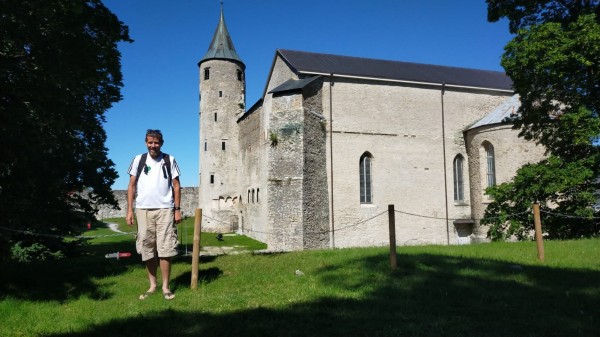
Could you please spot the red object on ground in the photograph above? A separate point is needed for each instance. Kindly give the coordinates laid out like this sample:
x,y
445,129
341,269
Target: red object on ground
x,y
89,225
117,255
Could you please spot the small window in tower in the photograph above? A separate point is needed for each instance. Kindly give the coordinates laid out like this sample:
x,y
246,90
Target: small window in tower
x,y
205,145
220,94
212,178
223,146
206,73
215,116
257,190
239,74
252,195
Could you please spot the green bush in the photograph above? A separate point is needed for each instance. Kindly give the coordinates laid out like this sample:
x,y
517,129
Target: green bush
x,y
34,252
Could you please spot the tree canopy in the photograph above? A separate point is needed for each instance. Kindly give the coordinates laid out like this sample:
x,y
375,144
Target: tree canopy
x,y
59,72
554,63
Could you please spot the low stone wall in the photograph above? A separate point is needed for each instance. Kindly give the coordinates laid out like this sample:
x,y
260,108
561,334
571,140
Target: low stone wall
x,y
189,203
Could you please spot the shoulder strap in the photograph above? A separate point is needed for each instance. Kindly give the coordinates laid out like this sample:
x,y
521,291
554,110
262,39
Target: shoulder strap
x,y
167,160
140,167
142,163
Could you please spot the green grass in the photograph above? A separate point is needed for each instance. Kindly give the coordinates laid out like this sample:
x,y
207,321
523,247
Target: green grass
x,y
497,289
186,236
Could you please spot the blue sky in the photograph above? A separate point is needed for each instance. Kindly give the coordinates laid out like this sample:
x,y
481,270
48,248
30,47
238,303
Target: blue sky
x,y
160,68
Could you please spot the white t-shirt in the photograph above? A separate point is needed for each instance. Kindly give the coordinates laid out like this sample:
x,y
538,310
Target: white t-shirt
x,y
153,189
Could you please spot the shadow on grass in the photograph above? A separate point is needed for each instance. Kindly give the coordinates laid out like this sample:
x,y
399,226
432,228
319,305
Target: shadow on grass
x,y
66,279
429,295
204,276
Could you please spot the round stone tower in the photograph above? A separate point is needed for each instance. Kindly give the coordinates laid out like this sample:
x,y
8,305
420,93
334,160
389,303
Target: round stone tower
x,y
222,102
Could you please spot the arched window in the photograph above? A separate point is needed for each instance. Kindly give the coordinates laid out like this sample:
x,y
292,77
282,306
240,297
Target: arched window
x,y
491,164
459,194
366,192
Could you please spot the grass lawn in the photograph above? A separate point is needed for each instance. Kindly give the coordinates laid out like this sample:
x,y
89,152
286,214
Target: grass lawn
x,y
186,237
497,289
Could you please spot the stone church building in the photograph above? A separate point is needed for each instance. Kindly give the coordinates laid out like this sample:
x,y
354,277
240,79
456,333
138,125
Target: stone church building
x,y
335,139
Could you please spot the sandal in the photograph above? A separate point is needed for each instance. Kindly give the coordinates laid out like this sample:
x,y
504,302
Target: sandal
x,y
146,295
169,296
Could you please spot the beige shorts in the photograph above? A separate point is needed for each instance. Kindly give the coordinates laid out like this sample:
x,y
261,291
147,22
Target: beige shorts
x,y
156,234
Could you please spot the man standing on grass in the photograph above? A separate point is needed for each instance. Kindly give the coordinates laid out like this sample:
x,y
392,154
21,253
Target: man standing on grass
x,y
154,184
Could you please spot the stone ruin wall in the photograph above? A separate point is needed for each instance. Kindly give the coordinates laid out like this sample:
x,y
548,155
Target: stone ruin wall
x,y
189,203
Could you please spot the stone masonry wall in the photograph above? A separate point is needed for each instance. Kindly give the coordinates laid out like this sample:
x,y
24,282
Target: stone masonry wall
x,y
285,175
315,194
252,211
222,103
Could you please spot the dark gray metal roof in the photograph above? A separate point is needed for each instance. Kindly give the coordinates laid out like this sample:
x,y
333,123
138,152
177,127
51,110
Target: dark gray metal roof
x,y
293,84
221,46
325,64
509,108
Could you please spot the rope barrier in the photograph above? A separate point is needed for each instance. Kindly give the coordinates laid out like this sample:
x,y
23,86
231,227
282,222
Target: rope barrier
x,y
569,216
65,236
28,232
453,219
315,232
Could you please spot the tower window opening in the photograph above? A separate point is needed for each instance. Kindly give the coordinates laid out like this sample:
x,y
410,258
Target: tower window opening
x,y
215,116
223,146
239,75
206,73
220,93
459,194
205,146
212,178
491,164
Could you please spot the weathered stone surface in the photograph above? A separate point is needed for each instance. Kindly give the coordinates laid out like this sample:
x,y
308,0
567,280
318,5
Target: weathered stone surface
x,y
189,203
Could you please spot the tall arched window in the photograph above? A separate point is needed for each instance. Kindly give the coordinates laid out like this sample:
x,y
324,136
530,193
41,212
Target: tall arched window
x,y
459,194
491,164
366,192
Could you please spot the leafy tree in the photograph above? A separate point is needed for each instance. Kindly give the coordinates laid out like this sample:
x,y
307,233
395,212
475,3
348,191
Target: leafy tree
x,y
59,72
554,62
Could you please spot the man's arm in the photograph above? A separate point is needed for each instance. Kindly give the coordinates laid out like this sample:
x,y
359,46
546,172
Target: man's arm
x,y
177,198
130,199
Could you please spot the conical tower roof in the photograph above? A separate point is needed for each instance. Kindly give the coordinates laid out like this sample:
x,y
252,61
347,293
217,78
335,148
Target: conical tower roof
x,y
221,46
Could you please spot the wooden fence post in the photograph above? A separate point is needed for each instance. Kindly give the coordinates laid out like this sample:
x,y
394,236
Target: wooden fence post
x,y
538,231
392,221
196,248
